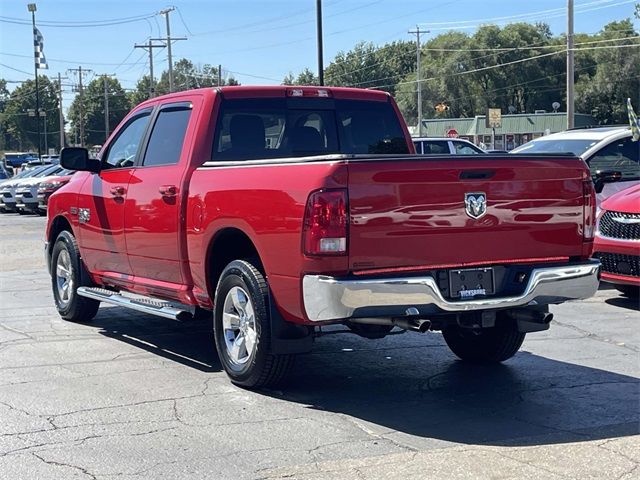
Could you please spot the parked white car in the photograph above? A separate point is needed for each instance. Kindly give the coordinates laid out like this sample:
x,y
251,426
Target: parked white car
x,y
445,146
8,201
27,190
605,149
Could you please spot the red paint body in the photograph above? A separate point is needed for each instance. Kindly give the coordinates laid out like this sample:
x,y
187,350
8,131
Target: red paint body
x,y
626,201
406,212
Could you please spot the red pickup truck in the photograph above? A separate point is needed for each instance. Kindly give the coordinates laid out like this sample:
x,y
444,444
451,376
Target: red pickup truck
x,y
282,210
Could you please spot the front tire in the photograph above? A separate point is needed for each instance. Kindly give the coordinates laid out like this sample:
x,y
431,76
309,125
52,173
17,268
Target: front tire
x,y
489,345
67,274
242,328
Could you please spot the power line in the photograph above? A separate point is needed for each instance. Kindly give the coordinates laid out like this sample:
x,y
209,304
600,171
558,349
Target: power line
x,y
79,24
502,22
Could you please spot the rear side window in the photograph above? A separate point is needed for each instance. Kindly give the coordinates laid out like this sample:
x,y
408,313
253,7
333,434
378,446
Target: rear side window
x,y
167,136
465,149
621,155
256,129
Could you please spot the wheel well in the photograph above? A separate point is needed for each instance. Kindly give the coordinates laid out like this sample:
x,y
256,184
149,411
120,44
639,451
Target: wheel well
x,y
228,245
58,225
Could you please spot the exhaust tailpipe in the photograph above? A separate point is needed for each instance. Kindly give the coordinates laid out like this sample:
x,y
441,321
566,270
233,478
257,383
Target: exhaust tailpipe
x,y
413,324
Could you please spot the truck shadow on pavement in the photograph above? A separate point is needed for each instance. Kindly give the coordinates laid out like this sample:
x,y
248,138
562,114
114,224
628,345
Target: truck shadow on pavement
x,y
188,343
426,392
411,385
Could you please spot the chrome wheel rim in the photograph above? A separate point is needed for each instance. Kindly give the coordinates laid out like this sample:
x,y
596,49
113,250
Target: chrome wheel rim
x,y
239,326
64,278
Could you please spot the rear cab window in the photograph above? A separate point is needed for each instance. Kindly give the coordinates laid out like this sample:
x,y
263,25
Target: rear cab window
x,y
253,129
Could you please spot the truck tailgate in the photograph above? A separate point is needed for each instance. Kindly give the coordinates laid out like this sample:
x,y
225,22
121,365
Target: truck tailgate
x,y
410,212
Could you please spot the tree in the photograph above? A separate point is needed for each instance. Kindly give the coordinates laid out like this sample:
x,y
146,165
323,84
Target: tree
x,y
306,77
603,90
367,66
94,107
5,139
186,76
20,127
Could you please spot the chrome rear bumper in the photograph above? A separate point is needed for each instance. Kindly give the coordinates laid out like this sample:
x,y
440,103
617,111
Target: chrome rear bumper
x,y
329,299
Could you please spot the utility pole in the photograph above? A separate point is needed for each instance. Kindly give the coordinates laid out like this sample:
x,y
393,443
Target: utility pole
x,y
80,72
319,32
32,8
168,40
570,67
43,114
149,47
60,114
219,75
105,85
417,33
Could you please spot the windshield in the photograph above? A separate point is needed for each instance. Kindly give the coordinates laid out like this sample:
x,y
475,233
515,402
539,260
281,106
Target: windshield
x,y
50,170
556,145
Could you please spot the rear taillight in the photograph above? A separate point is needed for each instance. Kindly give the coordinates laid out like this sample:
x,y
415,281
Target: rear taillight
x,y
589,210
325,223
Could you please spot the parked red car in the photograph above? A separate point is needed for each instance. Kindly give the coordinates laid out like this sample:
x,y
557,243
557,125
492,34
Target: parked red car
x,y
617,242
284,209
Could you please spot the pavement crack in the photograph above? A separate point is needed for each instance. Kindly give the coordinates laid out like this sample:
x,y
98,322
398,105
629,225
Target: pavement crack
x,y
67,465
594,336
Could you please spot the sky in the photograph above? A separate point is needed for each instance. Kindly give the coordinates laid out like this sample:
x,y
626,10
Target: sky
x,y
256,41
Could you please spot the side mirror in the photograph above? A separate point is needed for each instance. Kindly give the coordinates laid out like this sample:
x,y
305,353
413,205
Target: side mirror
x,y
76,158
606,176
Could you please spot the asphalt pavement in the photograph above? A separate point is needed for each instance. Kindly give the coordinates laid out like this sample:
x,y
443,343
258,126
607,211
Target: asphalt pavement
x,y
134,396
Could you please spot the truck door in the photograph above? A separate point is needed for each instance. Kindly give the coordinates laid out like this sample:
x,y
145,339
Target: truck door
x,y
104,198
152,218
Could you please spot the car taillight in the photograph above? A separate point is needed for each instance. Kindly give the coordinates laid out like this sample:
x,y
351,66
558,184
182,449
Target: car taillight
x,y
589,210
325,223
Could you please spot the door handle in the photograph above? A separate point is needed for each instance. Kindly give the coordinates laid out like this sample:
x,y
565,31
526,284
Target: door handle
x,y
168,190
118,191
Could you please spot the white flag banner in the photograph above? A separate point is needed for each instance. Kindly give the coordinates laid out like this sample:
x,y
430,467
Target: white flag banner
x,y
38,45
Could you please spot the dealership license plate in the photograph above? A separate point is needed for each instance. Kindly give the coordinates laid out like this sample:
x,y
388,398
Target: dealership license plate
x,y
469,283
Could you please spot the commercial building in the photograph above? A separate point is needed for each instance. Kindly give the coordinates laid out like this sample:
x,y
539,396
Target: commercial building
x,y
516,129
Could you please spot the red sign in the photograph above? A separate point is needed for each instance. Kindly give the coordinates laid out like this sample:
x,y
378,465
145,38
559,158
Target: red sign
x,y
452,133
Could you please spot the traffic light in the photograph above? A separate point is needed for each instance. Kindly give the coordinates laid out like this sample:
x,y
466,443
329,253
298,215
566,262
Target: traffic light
x,y
441,107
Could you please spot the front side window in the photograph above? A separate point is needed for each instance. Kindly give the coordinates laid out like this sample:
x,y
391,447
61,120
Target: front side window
x,y
167,136
621,156
123,150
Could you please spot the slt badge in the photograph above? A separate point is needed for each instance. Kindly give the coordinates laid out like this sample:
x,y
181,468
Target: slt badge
x,y
475,204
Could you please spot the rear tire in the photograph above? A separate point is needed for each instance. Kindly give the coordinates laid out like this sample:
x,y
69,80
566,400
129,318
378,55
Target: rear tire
x,y
490,345
67,274
630,291
242,328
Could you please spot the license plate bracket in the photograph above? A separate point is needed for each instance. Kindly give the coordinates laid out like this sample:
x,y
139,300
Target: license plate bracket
x,y
471,282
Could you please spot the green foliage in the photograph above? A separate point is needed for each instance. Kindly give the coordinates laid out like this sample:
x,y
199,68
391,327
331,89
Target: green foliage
x,y
17,128
615,75
464,71
366,66
94,104
186,76
306,77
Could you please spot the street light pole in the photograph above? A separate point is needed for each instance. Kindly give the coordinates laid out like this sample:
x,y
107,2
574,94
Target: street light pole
x,y
32,8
